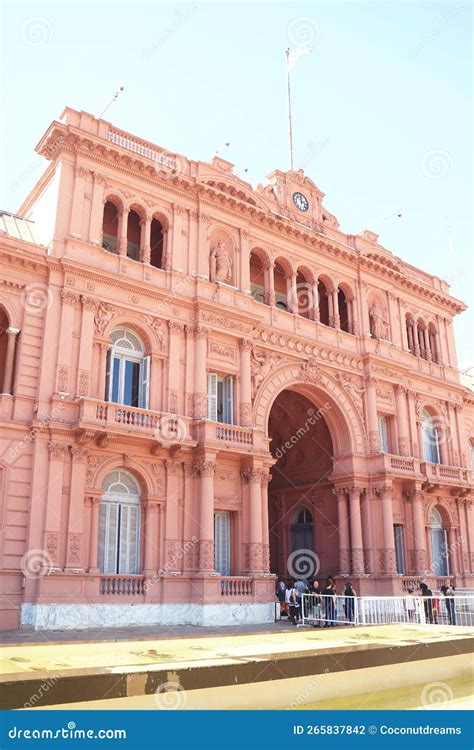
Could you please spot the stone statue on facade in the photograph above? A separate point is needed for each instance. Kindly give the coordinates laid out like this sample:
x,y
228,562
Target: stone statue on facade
x,y
379,326
220,263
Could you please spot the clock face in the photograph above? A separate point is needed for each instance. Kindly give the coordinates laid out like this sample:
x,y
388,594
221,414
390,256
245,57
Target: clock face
x,y
300,201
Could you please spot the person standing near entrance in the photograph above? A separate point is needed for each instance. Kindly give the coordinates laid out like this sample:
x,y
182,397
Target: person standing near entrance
x,y
329,602
428,602
294,604
349,602
448,591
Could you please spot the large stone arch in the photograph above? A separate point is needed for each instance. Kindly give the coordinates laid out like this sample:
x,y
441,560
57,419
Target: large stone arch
x,y
343,418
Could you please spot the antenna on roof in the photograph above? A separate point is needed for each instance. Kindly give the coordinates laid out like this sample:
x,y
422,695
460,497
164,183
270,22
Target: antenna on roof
x,y
241,171
114,98
372,224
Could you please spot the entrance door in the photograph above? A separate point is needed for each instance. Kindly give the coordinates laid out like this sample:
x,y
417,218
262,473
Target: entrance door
x,y
222,542
439,552
302,530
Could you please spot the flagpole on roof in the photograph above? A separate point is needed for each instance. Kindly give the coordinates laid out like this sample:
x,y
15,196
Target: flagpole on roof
x,y
288,91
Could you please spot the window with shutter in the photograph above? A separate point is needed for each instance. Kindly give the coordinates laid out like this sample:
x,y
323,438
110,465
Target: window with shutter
x,y
383,434
229,400
212,396
119,525
145,385
222,542
128,370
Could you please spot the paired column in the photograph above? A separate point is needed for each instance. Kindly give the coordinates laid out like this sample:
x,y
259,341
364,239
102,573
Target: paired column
x,y
292,293
58,454
371,400
77,209
12,333
335,319
151,524
357,548
270,298
206,469
452,547
83,386
174,475
200,373
122,241
245,383
175,331
388,561
75,532
244,284
419,534
315,315
97,210
343,529
63,373
145,239
402,419
266,479
255,544
94,503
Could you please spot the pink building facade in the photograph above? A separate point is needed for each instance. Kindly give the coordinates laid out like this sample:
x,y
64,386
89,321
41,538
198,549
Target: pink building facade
x,y
206,385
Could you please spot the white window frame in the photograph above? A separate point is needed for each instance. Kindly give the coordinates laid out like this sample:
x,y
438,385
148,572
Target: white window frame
x,y
431,451
383,428
119,527
125,355
222,542
220,407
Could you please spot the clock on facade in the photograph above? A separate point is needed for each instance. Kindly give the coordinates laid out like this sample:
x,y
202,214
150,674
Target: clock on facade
x,y
300,201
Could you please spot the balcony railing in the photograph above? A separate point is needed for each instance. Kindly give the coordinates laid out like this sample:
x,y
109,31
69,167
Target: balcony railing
x,y
122,585
227,436
443,472
231,434
141,147
233,586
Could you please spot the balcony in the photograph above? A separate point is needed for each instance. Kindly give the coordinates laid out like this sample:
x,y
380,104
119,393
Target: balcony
x,y
225,436
397,466
102,420
442,474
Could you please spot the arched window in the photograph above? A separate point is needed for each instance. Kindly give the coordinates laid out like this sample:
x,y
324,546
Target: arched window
x,y
119,525
343,311
301,530
433,343
304,294
323,303
156,244
430,439
281,286
439,544
422,335
133,235
257,278
110,224
128,370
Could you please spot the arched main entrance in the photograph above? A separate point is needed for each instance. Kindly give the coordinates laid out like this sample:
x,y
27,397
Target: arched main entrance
x,y
302,509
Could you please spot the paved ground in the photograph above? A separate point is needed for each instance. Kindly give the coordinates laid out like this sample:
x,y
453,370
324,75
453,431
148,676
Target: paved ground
x,y
151,632
171,649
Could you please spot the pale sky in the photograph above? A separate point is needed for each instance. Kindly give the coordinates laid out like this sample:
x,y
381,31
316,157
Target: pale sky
x,y
382,107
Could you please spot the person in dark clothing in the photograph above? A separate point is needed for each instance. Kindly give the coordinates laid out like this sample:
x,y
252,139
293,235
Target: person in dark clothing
x,y
315,603
428,603
349,601
448,591
329,599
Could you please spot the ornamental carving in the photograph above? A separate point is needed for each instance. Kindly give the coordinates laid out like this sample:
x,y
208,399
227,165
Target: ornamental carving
x,y
205,468
79,455
254,476
206,555
311,371
103,315
173,467
199,405
83,383
52,545
69,298
352,388
94,461
226,321
262,364
173,402
344,562
223,351
158,329
384,395
357,560
62,381
74,548
57,451
88,303
175,327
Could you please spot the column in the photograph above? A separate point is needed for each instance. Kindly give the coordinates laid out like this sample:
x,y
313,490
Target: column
x,y
77,208
266,479
419,532
315,301
75,526
367,536
122,232
174,255
244,284
416,343
403,327
413,424
102,371
426,337
174,366
94,532
452,551
292,293
97,210
411,340
58,453
335,320
245,383
390,566
206,469
460,433
343,529
151,547
189,518
470,531
451,344
402,419
371,401
203,246
200,373
174,473
270,284
145,239
357,548
83,385
63,373
12,333
255,548
464,537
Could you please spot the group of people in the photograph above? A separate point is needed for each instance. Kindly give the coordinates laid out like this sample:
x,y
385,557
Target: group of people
x,y
320,606
431,603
